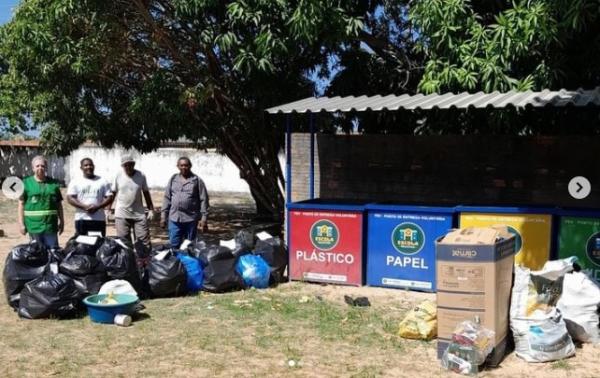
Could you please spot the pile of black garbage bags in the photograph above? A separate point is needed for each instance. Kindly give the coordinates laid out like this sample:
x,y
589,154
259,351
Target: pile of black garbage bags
x,y
42,283
215,268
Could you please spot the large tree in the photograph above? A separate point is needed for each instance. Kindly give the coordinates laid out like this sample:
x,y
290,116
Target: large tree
x,y
140,72
384,60
509,45
502,45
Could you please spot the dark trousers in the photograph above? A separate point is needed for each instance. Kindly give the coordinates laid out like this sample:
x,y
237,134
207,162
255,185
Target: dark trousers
x,y
141,233
82,227
178,231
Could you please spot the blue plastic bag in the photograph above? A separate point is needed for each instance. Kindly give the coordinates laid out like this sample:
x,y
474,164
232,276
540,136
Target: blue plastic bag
x,y
194,272
254,271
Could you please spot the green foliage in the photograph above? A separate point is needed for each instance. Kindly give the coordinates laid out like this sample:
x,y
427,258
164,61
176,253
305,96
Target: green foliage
x,y
138,73
502,45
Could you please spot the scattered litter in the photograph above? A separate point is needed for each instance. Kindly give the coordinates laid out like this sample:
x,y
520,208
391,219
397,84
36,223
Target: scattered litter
x,y
304,299
186,243
161,255
122,320
88,240
227,243
420,322
121,243
263,235
242,303
471,343
357,302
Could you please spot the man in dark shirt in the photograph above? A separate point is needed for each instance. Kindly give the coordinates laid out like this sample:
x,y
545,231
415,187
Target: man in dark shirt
x,y
185,204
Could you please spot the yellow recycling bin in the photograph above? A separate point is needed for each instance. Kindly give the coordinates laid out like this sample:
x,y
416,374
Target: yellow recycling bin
x,y
531,226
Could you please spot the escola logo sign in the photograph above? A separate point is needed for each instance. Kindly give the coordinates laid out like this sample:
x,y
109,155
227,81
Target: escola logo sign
x,y
324,235
593,248
408,238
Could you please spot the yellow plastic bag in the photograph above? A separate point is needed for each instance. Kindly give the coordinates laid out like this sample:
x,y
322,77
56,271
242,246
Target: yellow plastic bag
x,y
420,322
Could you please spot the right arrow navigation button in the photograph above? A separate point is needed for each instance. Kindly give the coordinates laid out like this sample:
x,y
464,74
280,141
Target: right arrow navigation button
x,y
579,187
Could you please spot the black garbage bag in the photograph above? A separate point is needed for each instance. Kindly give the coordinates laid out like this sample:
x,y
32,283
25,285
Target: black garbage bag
x,y
167,277
161,247
24,263
198,249
76,248
220,274
51,295
56,255
87,272
275,253
118,259
244,242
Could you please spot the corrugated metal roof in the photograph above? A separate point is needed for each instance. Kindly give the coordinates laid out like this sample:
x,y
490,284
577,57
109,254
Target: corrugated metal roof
x,y
463,100
20,143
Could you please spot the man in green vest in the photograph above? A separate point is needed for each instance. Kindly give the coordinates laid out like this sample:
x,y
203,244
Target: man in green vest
x,y
40,206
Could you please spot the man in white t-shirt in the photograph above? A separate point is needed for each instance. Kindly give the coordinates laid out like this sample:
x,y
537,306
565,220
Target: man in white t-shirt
x,y
128,187
89,195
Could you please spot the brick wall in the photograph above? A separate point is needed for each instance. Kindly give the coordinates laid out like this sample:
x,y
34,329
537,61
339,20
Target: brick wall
x,y
449,169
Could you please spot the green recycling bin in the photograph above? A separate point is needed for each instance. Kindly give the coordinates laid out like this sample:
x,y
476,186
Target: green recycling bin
x,y
579,235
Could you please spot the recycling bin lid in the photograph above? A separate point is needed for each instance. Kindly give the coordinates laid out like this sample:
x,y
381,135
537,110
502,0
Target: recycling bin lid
x,y
412,208
584,213
506,209
328,204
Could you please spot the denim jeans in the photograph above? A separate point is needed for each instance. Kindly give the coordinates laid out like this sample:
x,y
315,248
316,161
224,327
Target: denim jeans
x,y
48,239
179,231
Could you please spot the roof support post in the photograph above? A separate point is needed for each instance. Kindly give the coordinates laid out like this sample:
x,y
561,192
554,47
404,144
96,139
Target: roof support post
x,y
311,173
288,159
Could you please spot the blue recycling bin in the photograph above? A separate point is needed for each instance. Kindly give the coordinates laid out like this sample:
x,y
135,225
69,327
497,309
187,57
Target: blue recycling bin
x,y
401,244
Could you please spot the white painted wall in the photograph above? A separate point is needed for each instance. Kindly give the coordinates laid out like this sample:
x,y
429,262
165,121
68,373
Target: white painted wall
x,y
217,171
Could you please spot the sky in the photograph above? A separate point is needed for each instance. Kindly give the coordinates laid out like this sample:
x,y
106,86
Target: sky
x,y
6,10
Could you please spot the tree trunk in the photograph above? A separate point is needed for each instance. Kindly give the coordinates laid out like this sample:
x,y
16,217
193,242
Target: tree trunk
x,y
259,167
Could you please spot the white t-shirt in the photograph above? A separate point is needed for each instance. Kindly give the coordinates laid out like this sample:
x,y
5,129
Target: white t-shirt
x,y
89,192
129,195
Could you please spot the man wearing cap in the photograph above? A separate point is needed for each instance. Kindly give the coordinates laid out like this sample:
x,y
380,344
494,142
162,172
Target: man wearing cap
x,y
128,187
40,206
185,203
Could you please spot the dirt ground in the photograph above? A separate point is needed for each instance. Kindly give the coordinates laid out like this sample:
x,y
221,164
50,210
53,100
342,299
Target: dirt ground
x,y
296,329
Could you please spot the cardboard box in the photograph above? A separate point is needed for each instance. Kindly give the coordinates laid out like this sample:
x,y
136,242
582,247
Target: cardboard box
x,y
533,234
474,277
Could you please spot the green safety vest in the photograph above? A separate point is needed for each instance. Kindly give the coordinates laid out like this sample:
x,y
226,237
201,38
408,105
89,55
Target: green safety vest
x,y
41,200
